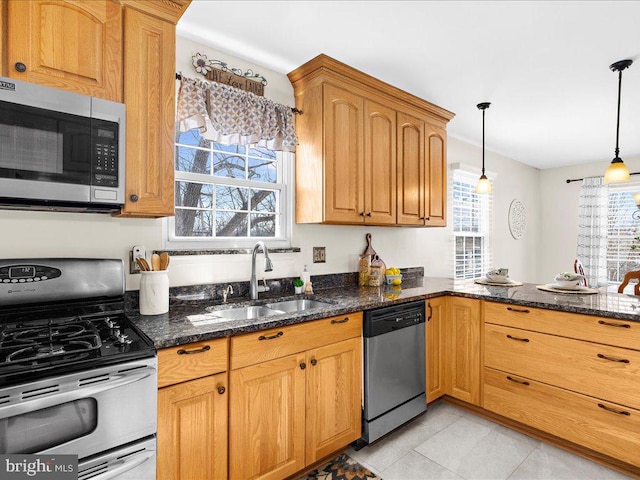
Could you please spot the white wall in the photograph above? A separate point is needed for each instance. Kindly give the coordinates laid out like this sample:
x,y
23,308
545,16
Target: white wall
x,y
559,214
42,234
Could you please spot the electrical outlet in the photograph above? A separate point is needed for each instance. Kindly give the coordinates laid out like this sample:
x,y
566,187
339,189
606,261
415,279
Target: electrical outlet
x,y
135,252
319,255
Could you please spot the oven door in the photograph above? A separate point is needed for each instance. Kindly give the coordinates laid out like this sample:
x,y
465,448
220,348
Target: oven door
x,y
136,461
45,154
83,413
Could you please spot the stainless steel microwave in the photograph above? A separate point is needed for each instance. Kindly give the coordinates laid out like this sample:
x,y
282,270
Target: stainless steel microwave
x,y
60,150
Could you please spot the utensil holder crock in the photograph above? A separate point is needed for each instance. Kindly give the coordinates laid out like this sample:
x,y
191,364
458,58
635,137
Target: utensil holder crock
x,y
154,292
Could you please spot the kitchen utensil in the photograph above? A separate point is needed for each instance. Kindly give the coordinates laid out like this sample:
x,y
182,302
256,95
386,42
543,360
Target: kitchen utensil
x,y
143,264
155,262
369,250
164,260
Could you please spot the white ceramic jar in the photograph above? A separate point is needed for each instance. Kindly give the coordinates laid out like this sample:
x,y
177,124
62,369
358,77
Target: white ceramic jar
x,y
154,292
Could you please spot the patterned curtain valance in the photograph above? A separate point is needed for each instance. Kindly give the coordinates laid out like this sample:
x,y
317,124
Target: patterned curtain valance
x,y
228,116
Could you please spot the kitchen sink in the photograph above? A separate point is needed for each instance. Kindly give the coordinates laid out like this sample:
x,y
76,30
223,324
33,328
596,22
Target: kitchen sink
x,y
245,313
291,306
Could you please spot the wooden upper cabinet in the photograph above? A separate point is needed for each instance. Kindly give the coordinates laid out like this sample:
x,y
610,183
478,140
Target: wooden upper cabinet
x,y
363,157
66,44
344,183
410,170
149,93
380,163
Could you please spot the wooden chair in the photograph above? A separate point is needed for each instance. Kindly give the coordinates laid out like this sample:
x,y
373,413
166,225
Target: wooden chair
x,y
579,269
634,274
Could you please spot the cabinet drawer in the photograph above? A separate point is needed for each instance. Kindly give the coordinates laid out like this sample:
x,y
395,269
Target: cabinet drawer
x,y
274,343
601,426
597,370
194,360
621,333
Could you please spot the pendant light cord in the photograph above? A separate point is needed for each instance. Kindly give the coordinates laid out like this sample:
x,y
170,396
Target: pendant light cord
x,y
618,121
483,110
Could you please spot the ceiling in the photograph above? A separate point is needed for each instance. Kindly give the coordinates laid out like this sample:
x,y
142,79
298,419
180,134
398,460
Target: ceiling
x,y
544,65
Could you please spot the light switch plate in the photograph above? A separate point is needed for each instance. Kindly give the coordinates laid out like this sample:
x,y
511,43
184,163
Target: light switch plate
x,y
135,252
319,255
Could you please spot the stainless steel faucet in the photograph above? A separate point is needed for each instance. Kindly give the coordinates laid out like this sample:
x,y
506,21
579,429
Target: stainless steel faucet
x,y
253,284
226,292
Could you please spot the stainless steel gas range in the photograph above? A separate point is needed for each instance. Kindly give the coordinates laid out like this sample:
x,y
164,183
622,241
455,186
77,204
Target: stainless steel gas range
x,y
76,377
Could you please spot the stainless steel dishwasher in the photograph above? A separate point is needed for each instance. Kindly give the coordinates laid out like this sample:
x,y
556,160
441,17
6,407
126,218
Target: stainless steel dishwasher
x,y
394,368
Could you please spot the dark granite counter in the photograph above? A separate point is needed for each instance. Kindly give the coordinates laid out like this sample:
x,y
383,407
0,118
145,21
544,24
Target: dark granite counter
x,y
191,322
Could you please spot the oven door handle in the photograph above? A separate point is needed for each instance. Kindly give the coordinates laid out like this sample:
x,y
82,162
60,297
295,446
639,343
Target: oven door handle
x,y
126,464
71,392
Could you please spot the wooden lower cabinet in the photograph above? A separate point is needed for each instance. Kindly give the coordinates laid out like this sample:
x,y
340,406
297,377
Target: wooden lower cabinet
x,y
333,412
463,355
436,348
596,424
192,429
289,412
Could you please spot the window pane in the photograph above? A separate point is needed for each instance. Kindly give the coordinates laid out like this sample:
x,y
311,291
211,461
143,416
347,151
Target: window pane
x,y
190,194
193,223
262,170
231,224
231,198
263,225
263,201
193,160
192,137
262,152
239,149
228,165
622,231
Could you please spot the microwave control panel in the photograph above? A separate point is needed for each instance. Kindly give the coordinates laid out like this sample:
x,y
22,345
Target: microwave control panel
x,y
27,273
105,153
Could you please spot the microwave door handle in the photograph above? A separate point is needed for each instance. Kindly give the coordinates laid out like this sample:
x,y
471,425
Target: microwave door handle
x,y
126,464
30,405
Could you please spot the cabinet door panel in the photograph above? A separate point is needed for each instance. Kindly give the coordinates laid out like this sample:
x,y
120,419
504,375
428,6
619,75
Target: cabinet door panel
x,y
72,45
150,97
344,182
410,170
266,419
464,349
334,383
436,177
192,430
380,163
436,348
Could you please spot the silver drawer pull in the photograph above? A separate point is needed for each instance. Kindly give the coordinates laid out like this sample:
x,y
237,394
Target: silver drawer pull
x,y
196,350
518,338
609,324
612,359
519,310
520,382
277,335
613,410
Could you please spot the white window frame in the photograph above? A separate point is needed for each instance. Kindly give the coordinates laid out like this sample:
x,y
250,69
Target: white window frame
x,y
284,172
469,176
630,188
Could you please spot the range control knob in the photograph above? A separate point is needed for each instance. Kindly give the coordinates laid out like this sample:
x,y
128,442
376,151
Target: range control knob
x,y
110,323
122,339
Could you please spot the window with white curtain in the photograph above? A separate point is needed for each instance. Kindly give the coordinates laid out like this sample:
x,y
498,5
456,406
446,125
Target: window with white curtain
x,y
623,232
471,226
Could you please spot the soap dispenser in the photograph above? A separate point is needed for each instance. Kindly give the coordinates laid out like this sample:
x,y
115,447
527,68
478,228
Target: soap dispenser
x,y
305,276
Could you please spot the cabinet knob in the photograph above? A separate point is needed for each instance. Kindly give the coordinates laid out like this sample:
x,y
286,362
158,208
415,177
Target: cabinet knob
x,y
221,390
361,214
303,366
314,362
133,197
20,67
369,214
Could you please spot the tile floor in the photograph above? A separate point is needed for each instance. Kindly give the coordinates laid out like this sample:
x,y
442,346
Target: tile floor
x,y
449,443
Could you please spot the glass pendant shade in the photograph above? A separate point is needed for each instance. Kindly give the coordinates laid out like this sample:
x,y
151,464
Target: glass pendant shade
x,y
483,185
617,172
636,198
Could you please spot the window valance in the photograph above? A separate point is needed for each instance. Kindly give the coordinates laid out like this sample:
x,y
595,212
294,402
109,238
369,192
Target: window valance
x,y
229,116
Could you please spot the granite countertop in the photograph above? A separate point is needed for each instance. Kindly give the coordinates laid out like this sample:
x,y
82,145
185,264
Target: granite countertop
x,y
189,322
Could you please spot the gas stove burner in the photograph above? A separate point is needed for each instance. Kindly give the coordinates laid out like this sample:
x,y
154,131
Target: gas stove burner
x,y
52,350
45,333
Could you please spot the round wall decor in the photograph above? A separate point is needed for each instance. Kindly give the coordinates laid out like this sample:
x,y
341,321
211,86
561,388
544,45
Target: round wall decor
x,y
517,219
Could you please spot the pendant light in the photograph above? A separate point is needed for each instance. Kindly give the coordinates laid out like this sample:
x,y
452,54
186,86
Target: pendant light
x,y
483,185
618,171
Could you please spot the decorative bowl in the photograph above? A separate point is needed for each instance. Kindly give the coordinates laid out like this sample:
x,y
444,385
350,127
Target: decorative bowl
x,y
394,279
498,275
567,279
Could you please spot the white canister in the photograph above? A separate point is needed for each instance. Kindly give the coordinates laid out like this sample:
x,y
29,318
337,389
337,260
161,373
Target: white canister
x,y
154,292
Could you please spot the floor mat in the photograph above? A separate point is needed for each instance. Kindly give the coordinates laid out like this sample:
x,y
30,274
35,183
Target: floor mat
x,y
342,468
